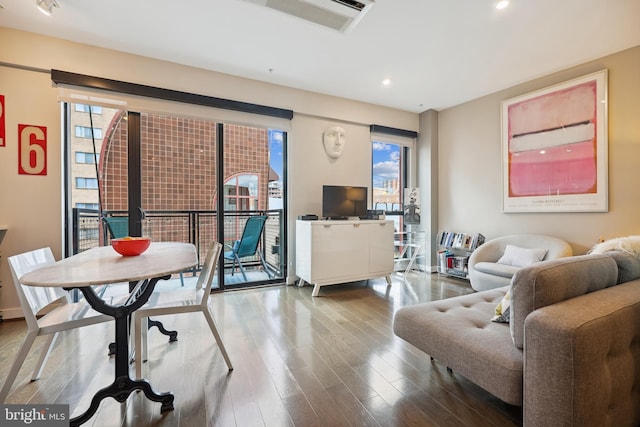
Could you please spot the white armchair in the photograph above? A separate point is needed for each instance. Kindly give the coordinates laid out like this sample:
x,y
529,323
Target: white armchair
x,y
485,272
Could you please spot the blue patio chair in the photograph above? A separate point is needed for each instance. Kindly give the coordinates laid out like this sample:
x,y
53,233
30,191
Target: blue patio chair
x,y
247,245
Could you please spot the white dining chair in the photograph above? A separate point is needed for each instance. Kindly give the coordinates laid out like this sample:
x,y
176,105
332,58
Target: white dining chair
x,y
61,313
183,300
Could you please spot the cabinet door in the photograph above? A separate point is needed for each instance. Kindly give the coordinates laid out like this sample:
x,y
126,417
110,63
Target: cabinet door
x,y
339,251
381,247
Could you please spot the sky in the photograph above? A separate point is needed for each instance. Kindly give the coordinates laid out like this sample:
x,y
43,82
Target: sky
x,y
386,163
275,151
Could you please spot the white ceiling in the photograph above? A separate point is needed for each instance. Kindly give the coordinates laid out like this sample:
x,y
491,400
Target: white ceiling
x,y
437,53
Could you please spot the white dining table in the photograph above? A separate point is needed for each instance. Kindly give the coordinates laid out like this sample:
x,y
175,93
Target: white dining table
x,y
103,265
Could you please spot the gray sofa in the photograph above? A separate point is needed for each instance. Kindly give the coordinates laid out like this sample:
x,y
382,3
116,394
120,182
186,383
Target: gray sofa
x,y
570,353
486,273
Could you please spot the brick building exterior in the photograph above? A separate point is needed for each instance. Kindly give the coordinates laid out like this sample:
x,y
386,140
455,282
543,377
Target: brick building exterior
x,y
179,162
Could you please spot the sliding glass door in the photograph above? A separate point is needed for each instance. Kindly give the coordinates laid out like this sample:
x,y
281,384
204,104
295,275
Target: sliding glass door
x,y
253,204
176,178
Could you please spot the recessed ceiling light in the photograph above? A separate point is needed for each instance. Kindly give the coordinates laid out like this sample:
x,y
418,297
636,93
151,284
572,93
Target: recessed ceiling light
x,y
502,4
386,82
46,6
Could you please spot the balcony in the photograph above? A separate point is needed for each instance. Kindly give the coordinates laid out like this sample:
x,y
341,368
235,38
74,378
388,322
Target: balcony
x,y
198,228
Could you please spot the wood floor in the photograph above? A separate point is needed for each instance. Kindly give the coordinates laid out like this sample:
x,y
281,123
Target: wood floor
x,y
332,360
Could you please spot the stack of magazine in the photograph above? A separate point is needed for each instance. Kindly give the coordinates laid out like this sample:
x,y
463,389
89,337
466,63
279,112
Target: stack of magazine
x,y
464,241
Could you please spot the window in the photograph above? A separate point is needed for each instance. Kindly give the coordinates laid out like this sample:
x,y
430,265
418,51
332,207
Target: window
x,y
387,173
84,108
90,183
241,193
86,158
392,171
85,132
184,182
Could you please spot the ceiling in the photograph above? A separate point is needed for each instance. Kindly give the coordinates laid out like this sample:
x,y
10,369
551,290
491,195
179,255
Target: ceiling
x,y
437,54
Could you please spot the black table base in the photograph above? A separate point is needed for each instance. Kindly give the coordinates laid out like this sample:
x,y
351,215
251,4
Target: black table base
x,y
173,335
122,385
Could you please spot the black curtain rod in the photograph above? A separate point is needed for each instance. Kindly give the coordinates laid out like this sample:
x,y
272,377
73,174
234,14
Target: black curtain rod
x,y
393,131
68,78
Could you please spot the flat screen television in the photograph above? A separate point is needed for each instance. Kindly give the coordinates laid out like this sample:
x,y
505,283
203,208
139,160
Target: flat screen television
x,y
342,202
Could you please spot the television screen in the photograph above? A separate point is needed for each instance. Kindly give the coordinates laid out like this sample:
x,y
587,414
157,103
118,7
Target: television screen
x,y
340,202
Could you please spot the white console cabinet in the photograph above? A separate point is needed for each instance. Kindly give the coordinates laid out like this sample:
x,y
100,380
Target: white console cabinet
x,y
333,252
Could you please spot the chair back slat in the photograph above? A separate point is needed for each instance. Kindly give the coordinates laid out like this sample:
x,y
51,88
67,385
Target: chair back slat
x,y
34,298
205,280
118,226
251,236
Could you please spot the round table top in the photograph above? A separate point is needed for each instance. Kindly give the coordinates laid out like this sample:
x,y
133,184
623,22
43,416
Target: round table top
x,y
103,265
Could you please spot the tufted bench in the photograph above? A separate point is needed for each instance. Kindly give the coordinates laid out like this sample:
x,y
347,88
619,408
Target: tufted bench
x,y
451,330
570,353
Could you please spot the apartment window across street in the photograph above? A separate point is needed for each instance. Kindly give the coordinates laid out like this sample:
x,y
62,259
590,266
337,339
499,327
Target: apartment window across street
x,y
86,158
87,206
91,183
241,192
84,108
85,132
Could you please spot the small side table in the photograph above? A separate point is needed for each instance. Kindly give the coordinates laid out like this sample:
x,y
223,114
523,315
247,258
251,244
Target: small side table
x,y
409,244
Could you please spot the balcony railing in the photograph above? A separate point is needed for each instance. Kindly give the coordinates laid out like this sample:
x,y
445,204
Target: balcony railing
x,y
196,227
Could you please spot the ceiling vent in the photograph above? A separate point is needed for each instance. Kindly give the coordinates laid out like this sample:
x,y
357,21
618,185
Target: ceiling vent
x,y
341,15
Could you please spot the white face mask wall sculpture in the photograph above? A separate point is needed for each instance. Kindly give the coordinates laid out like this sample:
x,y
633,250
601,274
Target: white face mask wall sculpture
x,y
334,139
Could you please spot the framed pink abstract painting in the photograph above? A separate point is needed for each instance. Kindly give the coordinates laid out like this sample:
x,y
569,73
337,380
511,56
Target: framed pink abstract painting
x,y
554,148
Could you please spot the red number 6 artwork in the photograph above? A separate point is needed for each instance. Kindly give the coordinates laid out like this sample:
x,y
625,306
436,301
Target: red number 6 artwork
x,y
32,150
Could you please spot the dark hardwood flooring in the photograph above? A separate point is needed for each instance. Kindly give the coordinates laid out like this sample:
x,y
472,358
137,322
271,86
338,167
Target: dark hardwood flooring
x,y
332,360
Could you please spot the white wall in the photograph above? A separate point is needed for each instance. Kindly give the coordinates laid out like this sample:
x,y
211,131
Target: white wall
x,y
427,178
470,169
310,167
31,206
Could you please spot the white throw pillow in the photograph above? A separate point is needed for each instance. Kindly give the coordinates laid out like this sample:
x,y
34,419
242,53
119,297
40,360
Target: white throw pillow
x,y
521,257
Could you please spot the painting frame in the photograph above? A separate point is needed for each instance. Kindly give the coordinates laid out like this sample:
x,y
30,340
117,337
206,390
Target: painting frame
x,y
555,148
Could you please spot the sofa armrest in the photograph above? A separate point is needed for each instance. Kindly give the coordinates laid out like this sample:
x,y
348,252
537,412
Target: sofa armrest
x,y
549,282
582,360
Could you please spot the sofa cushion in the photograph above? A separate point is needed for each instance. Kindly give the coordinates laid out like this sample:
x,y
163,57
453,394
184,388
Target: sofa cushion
x,y
552,281
628,265
496,269
459,333
521,257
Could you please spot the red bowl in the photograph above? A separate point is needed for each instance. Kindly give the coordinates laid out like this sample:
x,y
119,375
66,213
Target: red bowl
x,y
131,246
